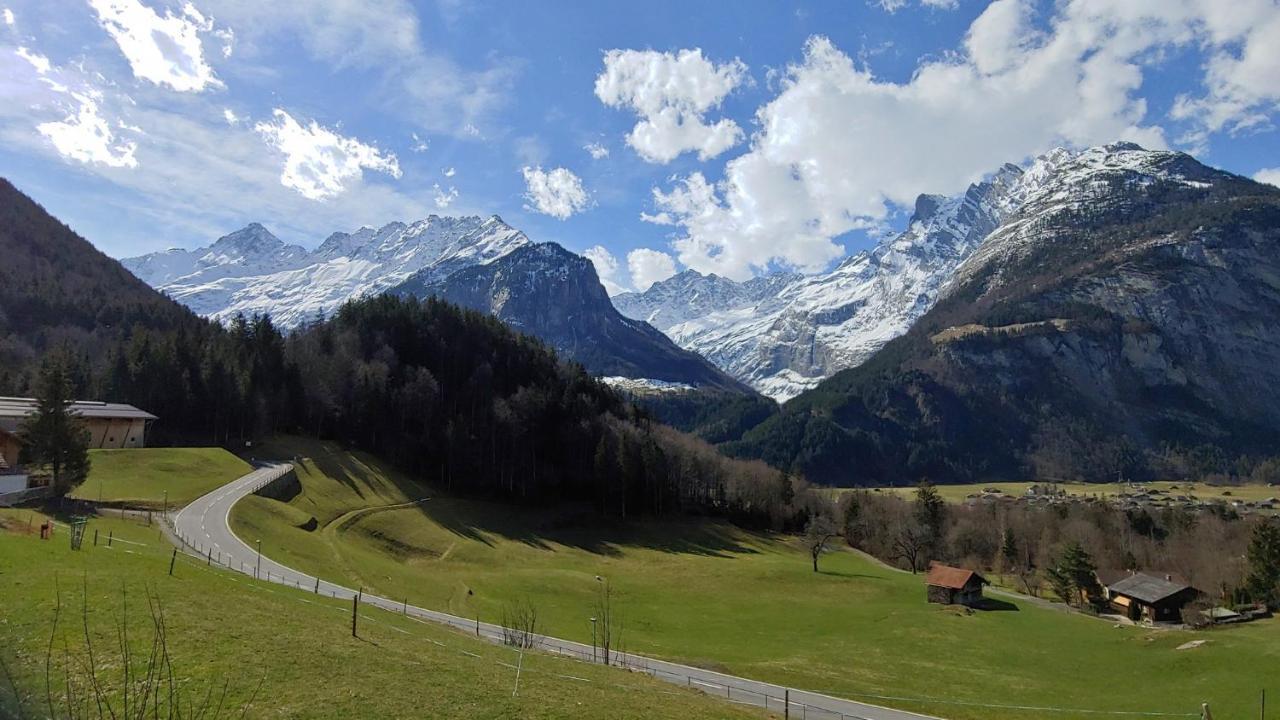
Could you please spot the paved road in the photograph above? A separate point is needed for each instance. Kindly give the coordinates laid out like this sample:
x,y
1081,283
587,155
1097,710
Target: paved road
x,y
203,526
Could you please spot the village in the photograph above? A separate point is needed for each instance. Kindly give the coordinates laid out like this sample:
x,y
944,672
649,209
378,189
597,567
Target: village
x,y
1134,495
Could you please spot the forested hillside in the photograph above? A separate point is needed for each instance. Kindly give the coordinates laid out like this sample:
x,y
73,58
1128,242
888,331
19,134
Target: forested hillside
x,y
453,396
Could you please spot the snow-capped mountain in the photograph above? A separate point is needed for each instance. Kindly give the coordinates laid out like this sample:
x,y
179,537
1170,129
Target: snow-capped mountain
x,y
784,333
252,271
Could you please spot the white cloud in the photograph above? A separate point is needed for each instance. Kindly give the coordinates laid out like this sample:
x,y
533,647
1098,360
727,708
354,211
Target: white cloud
x,y
448,172
318,162
444,198
229,115
163,50
596,150
419,145
87,137
606,268
671,93
893,6
648,267
1270,176
8,17
558,193
38,61
839,147
228,38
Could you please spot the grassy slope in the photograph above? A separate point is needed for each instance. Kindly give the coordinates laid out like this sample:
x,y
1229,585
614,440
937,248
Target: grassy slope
x,y
142,476
957,493
710,594
222,625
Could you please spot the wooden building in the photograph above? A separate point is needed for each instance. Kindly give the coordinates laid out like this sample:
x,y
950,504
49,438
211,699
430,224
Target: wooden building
x,y
1149,597
953,586
110,425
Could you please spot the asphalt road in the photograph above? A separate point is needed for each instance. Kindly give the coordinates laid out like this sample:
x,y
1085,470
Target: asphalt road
x,y
205,529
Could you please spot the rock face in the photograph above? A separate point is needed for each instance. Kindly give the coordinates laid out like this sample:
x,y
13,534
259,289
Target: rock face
x,y
252,271
548,292
784,333
1123,319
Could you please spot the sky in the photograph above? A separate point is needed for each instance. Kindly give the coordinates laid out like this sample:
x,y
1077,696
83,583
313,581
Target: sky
x,y
731,138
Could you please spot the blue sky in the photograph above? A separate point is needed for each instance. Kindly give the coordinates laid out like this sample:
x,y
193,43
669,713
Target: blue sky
x,y
740,137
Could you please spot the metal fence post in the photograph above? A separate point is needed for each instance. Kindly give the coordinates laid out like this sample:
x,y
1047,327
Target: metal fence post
x,y
173,559
786,704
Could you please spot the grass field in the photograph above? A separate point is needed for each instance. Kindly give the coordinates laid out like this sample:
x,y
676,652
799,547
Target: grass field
x,y
222,625
709,594
958,493
141,476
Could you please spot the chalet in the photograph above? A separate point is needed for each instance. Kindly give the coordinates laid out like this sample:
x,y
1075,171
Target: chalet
x,y
1147,597
953,586
110,425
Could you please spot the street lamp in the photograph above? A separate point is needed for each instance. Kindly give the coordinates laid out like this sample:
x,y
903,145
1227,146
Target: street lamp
x,y
258,572
593,639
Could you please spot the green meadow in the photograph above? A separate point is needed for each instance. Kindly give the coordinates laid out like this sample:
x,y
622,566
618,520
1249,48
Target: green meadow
x,y
289,652
144,477
710,594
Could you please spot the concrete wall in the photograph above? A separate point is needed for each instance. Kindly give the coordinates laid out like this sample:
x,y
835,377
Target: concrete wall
x,y
12,483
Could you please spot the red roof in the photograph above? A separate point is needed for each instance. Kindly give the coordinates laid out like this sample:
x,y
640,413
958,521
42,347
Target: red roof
x,y
951,577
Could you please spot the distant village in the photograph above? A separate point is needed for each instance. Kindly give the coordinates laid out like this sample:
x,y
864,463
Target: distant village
x,y
1135,496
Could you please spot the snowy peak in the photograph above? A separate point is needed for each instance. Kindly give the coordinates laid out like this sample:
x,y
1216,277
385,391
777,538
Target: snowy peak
x,y
251,270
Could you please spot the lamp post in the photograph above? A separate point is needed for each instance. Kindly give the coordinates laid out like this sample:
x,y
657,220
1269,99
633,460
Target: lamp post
x,y
593,639
258,571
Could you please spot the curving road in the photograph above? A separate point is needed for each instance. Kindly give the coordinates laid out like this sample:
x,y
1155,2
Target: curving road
x,y
204,528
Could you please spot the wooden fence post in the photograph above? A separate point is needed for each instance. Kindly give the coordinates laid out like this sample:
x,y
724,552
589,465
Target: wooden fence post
x,y
173,560
355,609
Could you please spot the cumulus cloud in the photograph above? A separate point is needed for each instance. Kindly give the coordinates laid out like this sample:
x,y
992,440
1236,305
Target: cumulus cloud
x,y
419,145
87,137
444,198
163,50
319,163
448,172
648,267
596,151
558,193
893,6
8,17
671,93
1270,176
838,147
230,116
606,268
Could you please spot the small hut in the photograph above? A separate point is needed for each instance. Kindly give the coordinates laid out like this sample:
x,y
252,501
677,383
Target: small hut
x,y
948,585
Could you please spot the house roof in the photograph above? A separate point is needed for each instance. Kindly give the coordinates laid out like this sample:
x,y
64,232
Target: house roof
x,y
15,409
1147,588
951,577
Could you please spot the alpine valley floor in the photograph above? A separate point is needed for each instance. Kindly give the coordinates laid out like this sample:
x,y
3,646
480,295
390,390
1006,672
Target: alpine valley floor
x,y
710,594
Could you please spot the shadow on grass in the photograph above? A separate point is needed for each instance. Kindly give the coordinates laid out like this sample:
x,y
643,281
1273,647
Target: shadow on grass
x,y
578,526
993,605
851,575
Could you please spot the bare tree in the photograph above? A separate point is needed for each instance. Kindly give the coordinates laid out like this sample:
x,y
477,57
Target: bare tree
x,y
608,627
910,545
146,685
520,625
817,533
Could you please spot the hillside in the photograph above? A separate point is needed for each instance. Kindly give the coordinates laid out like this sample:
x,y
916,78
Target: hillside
x,y
57,290
553,294
1126,320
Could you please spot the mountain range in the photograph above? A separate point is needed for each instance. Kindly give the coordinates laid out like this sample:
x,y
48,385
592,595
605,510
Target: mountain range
x,y
1122,321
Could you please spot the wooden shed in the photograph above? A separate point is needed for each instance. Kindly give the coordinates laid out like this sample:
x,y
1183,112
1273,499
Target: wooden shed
x,y
953,586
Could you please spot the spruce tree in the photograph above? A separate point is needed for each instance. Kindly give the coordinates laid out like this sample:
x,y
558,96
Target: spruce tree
x,y
1263,581
53,436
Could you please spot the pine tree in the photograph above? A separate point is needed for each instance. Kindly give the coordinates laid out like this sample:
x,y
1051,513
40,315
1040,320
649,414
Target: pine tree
x,y
53,436
931,512
1263,580
1008,548
1072,575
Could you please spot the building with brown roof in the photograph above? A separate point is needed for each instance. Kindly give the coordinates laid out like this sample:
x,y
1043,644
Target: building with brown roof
x,y
953,586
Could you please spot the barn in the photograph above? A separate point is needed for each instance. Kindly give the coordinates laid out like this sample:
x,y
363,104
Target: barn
x,y
110,425
953,586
